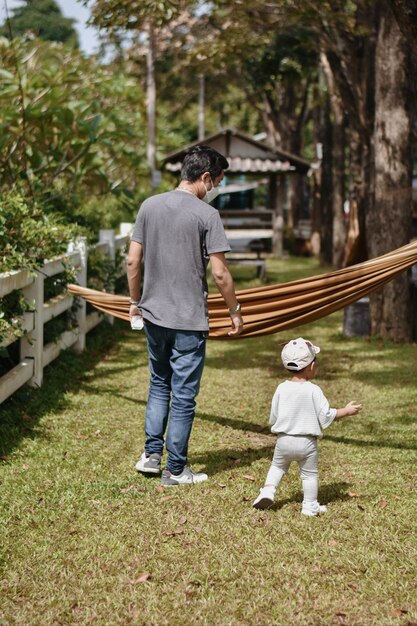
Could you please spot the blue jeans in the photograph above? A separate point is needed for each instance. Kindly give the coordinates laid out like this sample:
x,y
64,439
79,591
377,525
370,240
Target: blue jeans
x,y
176,361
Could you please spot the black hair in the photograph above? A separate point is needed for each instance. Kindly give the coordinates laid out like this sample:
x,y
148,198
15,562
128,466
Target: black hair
x,y
203,159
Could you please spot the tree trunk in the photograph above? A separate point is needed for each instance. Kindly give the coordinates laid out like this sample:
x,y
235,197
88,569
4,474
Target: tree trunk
x,y
326,189
389,223
151,102
338,166
201,107
351,57
405,12
360,196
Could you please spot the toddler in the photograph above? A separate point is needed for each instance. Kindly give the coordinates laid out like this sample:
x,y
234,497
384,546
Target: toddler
x,y
299,412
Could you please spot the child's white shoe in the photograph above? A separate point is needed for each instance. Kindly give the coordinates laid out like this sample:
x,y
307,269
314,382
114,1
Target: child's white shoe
x,y
265,499
312,509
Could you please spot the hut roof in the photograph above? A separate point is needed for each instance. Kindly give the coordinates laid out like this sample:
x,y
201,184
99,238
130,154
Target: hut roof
x,y
245,155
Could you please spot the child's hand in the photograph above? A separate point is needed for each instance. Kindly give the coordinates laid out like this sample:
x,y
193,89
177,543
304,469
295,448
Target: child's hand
x,y
353,407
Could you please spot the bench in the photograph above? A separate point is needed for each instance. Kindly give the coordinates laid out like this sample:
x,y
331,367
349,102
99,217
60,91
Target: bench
x,y
248,232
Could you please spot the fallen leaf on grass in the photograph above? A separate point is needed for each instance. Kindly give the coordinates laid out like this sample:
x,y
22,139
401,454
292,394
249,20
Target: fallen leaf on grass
x,y
332,542
248,477
142,578
166,498
397,497
341,618
382,504
4,458
126,489
173,533
182,520
222,485
132,487
94,502
398,612
352,494
362,508
27,418
191,589
160,489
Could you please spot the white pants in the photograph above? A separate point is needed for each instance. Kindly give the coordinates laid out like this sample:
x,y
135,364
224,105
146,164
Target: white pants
x,y
302,449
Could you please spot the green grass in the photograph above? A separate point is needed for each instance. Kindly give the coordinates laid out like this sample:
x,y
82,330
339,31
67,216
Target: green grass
x,y
80,527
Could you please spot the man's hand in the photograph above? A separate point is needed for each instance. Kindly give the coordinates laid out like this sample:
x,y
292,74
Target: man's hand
x,y
134,310
237,324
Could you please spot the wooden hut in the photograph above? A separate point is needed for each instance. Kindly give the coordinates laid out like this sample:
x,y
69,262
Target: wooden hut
x,y
249,158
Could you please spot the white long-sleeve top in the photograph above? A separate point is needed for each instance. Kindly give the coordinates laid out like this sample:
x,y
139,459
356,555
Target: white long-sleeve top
x,y
300,408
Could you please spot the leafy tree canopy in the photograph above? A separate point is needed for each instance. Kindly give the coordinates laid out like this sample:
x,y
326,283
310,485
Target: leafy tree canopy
x,y
44,19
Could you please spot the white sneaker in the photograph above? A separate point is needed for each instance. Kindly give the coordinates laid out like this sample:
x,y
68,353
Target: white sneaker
x,y
150,464
265,499
187,477
312,509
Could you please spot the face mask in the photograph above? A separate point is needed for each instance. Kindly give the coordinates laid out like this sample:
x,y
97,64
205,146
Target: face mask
x,y
212,194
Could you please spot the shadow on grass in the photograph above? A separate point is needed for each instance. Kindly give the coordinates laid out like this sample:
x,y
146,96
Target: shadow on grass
x,y
218,461
232,422
243,425
21,414
327,493
363,443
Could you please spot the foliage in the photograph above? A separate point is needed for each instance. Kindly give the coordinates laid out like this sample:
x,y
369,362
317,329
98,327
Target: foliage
x,y
12,307
69,490
102,270
136,14
27,235
70,128
42,18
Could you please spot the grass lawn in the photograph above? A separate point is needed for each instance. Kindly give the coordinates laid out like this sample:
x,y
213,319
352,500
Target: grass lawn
x,y
86,540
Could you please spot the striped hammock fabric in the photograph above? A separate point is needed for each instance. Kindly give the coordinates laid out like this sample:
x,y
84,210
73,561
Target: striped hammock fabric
x,y
274,308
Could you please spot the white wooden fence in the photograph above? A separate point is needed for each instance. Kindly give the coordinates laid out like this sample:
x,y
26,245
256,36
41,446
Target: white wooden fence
x,y
34,354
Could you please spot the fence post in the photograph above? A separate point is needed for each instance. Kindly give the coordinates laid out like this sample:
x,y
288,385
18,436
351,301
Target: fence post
x,y
126,228
80,245
31,345
108,236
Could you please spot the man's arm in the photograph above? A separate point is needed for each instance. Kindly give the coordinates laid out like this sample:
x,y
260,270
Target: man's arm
x,y
134,261
224,282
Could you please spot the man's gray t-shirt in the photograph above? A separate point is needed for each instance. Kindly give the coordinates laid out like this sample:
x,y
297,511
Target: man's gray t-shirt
x,y
178,233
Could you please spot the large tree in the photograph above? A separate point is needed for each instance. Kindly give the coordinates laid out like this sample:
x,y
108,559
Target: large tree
x,y
44,19
389,221
369,60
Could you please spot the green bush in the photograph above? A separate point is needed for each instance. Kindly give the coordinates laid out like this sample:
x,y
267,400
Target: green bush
x,y
27,237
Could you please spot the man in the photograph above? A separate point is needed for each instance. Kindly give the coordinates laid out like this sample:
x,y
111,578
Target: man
x,y
176,234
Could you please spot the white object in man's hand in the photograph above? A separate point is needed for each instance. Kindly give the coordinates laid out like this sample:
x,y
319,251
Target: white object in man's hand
x,y
136,322
136,319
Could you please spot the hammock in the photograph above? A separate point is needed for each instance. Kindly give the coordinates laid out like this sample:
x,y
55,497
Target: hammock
x,y
274,308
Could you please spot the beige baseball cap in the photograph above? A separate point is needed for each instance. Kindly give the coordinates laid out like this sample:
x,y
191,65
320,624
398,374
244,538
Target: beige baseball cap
x,y
298,353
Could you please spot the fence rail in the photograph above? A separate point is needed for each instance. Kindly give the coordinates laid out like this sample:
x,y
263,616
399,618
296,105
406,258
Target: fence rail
x,y
34,354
